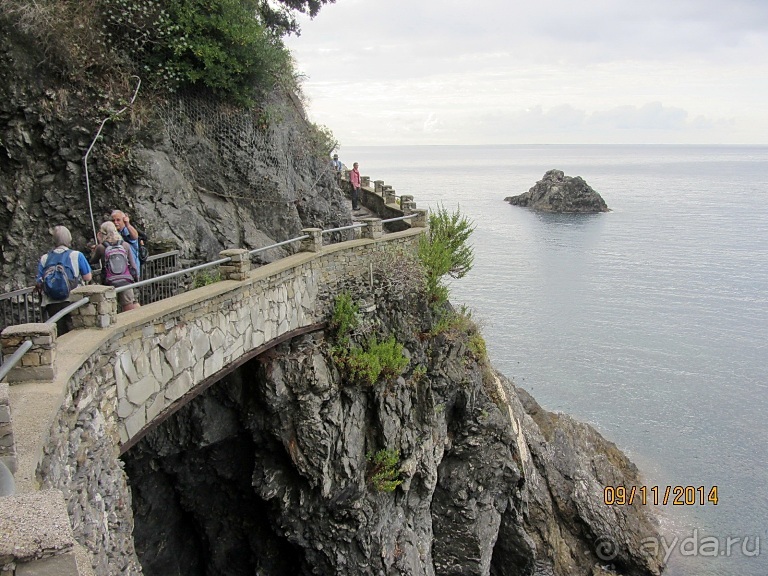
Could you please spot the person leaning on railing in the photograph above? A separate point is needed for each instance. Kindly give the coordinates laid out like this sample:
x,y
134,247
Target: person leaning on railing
x,y
77,268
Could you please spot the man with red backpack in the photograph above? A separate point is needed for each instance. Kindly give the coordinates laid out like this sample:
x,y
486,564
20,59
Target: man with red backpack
x,y
118,265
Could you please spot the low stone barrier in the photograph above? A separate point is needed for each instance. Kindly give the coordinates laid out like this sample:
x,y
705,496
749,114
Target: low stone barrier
x,y
7,444
382,200
35,536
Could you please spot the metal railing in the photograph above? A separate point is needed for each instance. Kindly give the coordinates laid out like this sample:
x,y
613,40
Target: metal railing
x,y
159,267
399,218
150,290
172,276
23,306
343,228
13,359
20,307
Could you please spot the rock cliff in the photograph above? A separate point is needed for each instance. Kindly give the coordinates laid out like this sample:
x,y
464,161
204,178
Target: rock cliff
x,y
197,174
556,192
269,471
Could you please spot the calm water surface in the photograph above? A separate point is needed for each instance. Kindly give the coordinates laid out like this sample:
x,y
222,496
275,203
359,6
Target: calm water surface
x,y
649,322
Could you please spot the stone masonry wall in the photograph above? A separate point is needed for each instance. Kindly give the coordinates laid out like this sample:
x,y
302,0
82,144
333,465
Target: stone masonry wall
x,y
140,370
7,446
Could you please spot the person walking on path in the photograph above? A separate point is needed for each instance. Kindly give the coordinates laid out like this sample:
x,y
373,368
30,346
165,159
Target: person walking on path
x,y
74,265
118,264
354,180
129,234
336,163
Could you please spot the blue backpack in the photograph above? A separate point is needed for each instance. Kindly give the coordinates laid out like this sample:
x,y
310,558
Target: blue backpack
x,y
58,275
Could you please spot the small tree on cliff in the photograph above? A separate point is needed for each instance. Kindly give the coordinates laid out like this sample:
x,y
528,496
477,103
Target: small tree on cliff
x,y
445,250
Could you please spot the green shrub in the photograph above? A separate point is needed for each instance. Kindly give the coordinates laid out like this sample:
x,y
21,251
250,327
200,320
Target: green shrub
x,y
376,360
418,374
362,366
344,318
436,261
477,347
383,470
322,140
219,44
445,251
206,277
449,321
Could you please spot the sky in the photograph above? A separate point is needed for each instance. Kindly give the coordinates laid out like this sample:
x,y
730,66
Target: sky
x,y
412,72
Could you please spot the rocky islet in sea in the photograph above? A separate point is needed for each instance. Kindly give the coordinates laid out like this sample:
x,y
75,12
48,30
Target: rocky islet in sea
x,y
556,192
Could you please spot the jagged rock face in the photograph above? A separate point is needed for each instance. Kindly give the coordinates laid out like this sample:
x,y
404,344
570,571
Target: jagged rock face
x,y
266,472
197,174
556,192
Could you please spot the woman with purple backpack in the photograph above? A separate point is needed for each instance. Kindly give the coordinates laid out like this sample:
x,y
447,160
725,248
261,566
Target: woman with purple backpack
x,y
118,266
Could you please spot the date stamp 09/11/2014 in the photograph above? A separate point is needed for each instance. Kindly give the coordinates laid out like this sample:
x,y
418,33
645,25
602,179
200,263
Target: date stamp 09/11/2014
x,y
660,495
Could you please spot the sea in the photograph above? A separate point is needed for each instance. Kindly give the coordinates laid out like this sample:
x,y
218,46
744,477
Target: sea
x,y
649,322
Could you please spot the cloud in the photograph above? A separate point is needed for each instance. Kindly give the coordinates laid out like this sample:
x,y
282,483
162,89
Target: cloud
x,y
651,116
430,36
572,124
436,72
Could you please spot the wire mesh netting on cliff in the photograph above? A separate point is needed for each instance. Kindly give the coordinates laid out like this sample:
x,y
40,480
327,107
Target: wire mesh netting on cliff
x,y
260,146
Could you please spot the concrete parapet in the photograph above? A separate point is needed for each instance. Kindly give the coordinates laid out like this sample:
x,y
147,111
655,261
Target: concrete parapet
x,y
238,266
365,181
389,196
101,312
315,241
38,364
7,444
373,228
36,536
421,220
407,205
378,186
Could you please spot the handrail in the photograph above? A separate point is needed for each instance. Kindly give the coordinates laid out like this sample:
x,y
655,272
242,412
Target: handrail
x,y
173,274
163,255
283,243
19,292
64,311
203,266
399,218
350,227
14,358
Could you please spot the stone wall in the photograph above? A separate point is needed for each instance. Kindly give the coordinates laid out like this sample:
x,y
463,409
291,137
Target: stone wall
x,y
45,544
381,200
158,364
149,362
7,445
